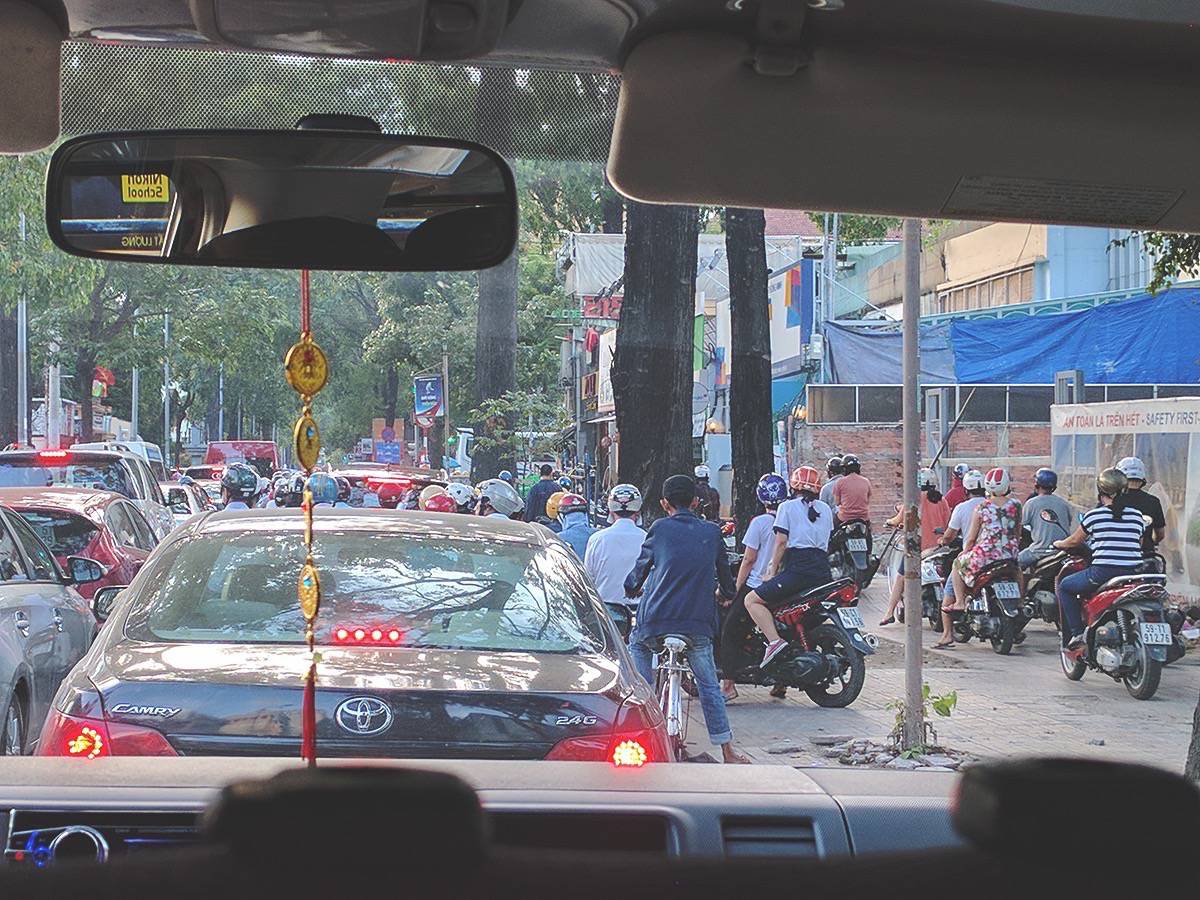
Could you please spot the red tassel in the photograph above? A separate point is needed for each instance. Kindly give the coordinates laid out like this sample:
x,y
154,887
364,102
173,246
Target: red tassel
x,y
308,734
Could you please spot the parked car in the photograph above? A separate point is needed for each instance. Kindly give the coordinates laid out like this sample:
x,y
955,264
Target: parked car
x,y
100,525
121,471
45,628
185,500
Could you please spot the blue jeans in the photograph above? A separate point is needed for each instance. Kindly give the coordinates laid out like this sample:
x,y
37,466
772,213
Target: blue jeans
x,y
1072,589
704,671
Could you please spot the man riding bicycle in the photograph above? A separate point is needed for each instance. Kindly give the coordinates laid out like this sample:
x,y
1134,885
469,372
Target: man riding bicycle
x,y
681,559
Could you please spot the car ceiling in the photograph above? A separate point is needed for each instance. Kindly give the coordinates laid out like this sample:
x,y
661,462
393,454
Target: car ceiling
x,y
1094,90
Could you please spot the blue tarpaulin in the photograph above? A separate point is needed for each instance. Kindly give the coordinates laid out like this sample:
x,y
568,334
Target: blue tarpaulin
x,y
1145,340
865,356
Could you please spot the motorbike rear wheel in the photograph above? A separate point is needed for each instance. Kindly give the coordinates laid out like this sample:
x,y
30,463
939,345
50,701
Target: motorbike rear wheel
x,y
1002,643
1072,668
1143,683
828,640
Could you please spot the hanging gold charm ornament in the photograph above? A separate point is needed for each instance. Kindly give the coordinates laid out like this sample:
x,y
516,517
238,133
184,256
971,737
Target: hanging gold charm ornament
x,y
307,370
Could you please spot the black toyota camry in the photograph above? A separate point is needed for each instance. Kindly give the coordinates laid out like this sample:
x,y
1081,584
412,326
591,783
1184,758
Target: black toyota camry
x,y
438,635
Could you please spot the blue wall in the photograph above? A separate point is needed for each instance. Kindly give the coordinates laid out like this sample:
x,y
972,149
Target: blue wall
x,y
1076,263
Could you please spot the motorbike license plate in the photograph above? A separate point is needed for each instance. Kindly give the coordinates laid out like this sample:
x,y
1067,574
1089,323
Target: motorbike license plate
x,y
929,574
1156,633
1007,590
851,618
857,545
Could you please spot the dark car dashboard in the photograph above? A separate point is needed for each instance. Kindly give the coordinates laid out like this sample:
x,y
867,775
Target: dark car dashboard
x,y
51,810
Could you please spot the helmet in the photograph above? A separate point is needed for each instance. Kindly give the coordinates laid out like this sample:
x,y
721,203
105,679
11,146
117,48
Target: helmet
x,y
442,503
571,503
1046,478
463,495
343,487
961,470
502,497
552,503
701,473
428,492
1134,468
996,481
833,466
323,488
926,479
624,498
240,481
263,486
505,475
390,494
565,482
806,478
185,480
1111,482
772,489
850,463
973,480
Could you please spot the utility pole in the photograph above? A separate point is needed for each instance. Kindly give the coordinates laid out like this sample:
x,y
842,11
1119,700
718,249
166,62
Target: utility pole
x,y
135,391
445,406
167,389
220,403
22,353
577,376
54,400
914,709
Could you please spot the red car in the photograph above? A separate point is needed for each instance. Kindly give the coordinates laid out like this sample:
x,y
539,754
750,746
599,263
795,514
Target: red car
x,y
100,525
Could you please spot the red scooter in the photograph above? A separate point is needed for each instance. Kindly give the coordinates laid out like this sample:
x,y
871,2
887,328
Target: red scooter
x,y
1127,634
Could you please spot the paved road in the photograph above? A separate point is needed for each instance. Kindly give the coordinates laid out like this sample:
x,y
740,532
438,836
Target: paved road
x,y
1015,705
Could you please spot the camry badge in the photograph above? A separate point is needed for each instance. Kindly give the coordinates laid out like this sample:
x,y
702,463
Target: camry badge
x,y
129,709
364,715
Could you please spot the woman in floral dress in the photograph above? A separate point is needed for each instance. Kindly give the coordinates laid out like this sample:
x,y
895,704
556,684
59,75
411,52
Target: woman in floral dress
x,y
994,534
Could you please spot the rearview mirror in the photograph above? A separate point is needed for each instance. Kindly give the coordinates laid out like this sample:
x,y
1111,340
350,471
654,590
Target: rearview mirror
x,y
83,570
103,600
313,199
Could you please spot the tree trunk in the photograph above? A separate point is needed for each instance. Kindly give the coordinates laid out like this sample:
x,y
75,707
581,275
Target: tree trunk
x,y
750,387
437,442
391,396
495,358
85,367
1192,768
8,377
652,366
612,209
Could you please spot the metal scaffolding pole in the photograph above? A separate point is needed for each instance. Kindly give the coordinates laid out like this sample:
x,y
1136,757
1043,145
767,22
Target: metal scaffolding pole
x,y
914,724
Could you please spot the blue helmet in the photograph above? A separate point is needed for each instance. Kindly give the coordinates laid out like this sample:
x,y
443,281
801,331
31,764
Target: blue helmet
x,y
1046,478
506,475
565,483
324,488
772,489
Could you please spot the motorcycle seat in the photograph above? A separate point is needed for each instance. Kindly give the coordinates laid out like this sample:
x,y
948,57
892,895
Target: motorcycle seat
x,y
823,590
1135,578
997,569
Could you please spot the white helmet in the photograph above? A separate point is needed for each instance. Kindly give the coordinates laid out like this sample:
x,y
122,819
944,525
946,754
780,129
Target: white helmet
x,y
973,480
502,496
996,481
1133,468
701,472
462,494
624,498
926,479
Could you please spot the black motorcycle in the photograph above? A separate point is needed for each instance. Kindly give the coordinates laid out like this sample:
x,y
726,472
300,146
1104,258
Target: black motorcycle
x,y
935,569
850,552
994,611
827,647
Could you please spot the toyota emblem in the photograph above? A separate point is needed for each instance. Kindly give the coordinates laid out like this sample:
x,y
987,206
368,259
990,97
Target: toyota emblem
x,y
364,715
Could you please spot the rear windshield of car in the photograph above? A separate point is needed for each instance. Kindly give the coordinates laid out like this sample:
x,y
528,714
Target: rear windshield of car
x,y
395,590
66,534
105,475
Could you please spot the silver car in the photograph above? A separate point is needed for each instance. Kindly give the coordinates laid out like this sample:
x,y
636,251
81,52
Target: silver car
x,y
45,627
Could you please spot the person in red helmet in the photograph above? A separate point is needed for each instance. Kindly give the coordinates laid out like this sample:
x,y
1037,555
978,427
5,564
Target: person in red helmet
x,y
441,503
390,495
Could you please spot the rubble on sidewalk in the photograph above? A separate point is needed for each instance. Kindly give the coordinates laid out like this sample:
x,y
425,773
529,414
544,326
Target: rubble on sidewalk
x,y
883,754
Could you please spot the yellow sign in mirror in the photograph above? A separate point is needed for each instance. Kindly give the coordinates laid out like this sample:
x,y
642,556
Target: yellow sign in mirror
x,y
145,188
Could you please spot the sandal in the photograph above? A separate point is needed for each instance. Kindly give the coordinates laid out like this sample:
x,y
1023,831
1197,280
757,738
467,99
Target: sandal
x,y
890,620
731,695
779,692
940,645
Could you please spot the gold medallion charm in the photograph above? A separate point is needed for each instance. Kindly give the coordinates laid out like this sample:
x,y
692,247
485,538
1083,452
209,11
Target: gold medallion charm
x,y
307,438
306,367
309,590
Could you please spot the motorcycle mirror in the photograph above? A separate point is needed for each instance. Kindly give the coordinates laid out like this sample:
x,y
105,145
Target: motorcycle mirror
x,y
1048,515
1149,521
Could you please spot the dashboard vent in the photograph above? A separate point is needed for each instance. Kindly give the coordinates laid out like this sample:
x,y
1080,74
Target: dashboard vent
x,y
31,834
775,837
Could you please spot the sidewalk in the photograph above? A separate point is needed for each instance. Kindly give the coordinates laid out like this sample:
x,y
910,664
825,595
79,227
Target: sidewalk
x,y
1021,704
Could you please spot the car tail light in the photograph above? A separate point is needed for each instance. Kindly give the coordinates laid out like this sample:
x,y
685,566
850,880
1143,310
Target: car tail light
x,y
623,749
53,454
86,738
369,635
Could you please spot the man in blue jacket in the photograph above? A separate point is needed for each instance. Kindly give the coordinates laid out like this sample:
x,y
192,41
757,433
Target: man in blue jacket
x,y
683,559
535,503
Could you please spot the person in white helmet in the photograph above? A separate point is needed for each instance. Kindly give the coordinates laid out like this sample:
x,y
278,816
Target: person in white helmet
x,y
498,499
612,551
994,534
708,498
1137,497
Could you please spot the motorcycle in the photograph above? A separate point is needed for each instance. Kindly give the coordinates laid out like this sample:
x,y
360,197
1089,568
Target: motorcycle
x,y
1127,632
850,552
827,647
1042,576
935,569
993,610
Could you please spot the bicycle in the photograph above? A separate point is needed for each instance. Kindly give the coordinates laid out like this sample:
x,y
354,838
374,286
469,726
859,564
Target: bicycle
x,y
671,667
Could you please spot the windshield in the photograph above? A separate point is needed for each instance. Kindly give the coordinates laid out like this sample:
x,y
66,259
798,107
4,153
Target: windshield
x,y
66,534
396,590
33,472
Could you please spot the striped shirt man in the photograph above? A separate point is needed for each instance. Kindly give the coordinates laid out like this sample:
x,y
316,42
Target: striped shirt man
x,y
1114,541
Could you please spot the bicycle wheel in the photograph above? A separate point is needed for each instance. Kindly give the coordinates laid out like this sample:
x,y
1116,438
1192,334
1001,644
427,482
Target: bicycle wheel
x,y
676,721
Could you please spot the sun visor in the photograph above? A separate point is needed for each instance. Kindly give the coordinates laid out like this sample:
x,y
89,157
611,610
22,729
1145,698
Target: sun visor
x,y
29,73
866,128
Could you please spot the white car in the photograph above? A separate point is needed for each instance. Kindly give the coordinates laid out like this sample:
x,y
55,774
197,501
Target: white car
x,y
184,500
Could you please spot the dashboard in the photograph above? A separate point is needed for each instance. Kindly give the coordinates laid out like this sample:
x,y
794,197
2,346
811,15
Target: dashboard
x,y
52,810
